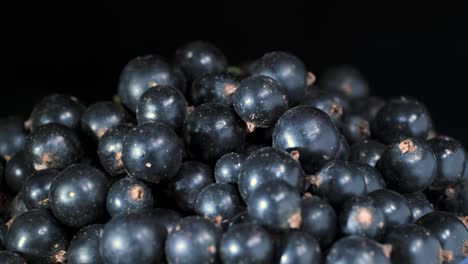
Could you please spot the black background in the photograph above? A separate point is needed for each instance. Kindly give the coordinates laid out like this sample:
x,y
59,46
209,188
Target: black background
x,y
420,51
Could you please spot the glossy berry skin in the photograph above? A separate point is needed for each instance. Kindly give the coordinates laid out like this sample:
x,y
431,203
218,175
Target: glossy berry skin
x,y
367,151
17,170
77,196
35,190
413,244
356,250
192,177
450,156
235,246
266,165
164,104
132,238
200,58
7,257
319,220
260,101
166,218
393,205
408,166
38,237
343,152
275,204
215,87
181,247
360,216
219,202
346,80
309,131
329,102
84,247
144,72
152,152
356,128
57,108
12,136
285,68
53,146
299,248
401,118
17,206
129,195
110,149
337,181
449,230
418,204
228,167
101,116
211,131
372,177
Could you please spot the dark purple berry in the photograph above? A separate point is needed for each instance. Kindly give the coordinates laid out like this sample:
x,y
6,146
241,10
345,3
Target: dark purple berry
x,y
129,195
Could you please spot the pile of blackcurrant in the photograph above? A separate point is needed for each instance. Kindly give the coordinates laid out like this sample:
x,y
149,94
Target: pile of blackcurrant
x,y
197,161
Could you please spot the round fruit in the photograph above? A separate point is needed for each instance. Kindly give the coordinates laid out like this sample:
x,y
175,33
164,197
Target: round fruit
x,y
53,146
164,104
110,149
299,248
275,204
372,177
285,68
393,205
181,247
132,238
268,164
219,202
77,196
360,216
152,152
166,218
200,58
368,151
450,231
215,87
260,101
332,103
346,80
102,116
38,237
319,219
356,250
211,131
12,136
129,195
310,133
84,247
413,244
408,166
7,257
401,118
35,190
57,108
355,128
144,72
337,181
450,156
192,177
418,204
228,168
17,170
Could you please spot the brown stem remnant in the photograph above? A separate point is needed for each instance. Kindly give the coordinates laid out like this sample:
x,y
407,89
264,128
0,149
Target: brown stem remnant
x,y
310,78
465,249
445,256
364,217
229,88
28,124
295,220
190,109
295,154
60,257
313,180
387,250
250,127
464,220
407,146
137,193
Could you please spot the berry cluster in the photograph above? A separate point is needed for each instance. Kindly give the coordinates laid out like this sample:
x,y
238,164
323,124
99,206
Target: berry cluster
x,y
195,161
